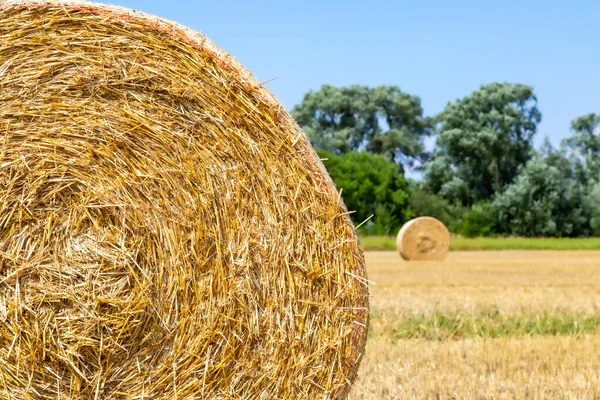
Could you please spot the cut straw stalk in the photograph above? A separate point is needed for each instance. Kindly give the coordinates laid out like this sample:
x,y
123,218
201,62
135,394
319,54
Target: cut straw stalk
x,y
423,239
166,229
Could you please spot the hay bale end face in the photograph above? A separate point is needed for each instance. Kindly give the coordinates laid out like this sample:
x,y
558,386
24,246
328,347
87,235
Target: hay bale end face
x,y
166,230
423,239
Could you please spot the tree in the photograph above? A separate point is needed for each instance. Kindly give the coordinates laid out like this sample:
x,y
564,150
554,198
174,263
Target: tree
x,y
584,146
479,220
482,142
401,126
592,203
371,185
543,201
381,120
337,120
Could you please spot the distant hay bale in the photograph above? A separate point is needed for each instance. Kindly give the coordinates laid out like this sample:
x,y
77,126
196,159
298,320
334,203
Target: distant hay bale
x,y
423,239
166,230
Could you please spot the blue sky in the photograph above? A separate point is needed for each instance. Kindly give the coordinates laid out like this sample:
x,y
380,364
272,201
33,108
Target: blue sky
x,y
437,50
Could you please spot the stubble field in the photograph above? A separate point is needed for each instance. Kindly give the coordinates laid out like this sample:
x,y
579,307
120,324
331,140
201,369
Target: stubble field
x,y
483,325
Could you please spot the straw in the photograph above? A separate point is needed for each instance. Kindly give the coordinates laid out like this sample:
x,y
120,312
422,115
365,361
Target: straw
x,y
423,239
166,229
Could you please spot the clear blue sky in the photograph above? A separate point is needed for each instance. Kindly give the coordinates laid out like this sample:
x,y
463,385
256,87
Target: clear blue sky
x,y
437,50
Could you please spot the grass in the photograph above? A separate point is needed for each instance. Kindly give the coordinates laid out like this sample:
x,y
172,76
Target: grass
x,y
483,325
492,324
388,243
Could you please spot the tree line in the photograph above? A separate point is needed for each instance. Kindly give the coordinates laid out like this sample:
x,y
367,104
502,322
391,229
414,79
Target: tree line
x,y
483,177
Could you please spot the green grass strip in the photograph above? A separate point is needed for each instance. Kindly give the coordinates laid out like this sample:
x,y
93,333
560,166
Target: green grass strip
x,y
492,324
386,243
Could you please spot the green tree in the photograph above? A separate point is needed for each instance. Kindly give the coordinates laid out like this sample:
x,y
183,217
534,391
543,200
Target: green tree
x,y
371,185
584,147
382,120
480,220
592,203
482,141
543,201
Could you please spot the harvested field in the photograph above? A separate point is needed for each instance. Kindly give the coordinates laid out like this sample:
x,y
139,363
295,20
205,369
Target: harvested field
x,y
483,325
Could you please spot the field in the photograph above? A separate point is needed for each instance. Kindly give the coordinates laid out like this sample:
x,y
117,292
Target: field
x,y
484,325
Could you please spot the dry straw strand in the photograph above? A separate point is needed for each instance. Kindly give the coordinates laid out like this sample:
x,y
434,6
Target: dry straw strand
x,y
166,229
423,239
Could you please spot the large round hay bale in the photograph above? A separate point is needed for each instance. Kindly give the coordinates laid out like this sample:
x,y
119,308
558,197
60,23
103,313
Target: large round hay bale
x,y
166,230
423,239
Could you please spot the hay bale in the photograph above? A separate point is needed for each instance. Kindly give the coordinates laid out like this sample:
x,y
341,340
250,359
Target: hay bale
x,y
423,239
166,230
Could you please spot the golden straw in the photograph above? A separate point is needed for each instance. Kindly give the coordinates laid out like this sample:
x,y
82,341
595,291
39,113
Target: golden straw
x,y
166,229
423,239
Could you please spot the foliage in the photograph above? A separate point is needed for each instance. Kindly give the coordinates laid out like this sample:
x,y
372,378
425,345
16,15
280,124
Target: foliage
x,y
480,220
483,179
382,120
584,146
426,204
482,141
370,185
542,202
592,203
